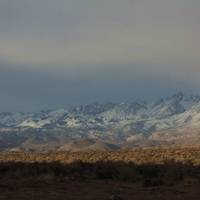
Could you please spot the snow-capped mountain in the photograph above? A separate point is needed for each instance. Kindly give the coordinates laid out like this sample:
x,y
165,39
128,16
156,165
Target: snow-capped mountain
x,y
174,120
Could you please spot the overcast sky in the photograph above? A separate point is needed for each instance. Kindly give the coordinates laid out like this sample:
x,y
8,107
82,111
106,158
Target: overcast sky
x,y
55,53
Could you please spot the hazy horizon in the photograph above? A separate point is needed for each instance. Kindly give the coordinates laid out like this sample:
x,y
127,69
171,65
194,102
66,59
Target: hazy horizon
x,y
59,53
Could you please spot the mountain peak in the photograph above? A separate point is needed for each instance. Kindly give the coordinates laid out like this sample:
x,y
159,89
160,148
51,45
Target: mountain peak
x,y
111,123
177,96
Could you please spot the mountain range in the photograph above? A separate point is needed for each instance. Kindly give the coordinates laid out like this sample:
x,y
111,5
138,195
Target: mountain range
x,y
173,121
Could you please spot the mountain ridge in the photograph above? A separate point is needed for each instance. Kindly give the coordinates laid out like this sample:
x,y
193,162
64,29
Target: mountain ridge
x,y
168,121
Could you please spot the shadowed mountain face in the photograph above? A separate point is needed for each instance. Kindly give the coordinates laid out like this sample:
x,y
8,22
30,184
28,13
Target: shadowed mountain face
x,y
172,121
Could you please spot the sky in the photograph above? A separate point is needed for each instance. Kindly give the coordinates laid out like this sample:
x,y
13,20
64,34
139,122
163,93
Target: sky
x,y
67,52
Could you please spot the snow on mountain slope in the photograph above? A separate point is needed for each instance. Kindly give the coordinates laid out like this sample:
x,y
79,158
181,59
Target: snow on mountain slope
x,y
108,122
125,111
162,114
12,119
29,123
167,107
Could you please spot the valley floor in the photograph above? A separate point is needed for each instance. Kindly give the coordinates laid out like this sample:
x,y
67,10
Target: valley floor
x,y
144,174
93,190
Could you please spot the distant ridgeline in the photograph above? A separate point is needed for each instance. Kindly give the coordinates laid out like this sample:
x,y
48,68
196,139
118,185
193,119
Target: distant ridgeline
x,y
169,122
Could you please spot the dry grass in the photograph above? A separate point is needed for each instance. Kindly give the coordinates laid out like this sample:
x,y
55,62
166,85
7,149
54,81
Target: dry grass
x,y
144,174
139,156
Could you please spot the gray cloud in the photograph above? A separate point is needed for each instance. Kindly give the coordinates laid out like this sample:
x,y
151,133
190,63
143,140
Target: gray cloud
x,y
66,52
32,90
73,32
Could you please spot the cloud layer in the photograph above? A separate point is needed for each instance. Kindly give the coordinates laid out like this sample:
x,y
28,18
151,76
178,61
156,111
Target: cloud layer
x,y
96,50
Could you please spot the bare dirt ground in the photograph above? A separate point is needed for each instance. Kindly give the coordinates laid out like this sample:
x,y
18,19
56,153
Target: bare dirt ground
x,y
94,190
